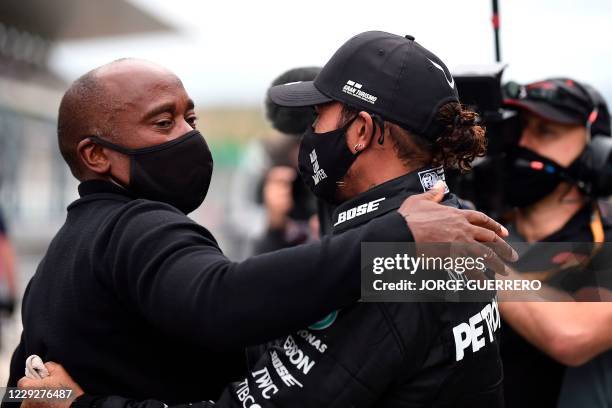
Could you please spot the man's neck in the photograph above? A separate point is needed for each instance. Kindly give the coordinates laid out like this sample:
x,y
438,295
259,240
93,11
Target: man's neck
x,y
382,174
550,214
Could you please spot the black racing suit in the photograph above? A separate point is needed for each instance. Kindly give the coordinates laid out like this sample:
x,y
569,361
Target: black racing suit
x,y
370,354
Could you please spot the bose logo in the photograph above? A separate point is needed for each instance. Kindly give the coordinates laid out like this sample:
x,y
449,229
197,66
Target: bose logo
x,y
357,211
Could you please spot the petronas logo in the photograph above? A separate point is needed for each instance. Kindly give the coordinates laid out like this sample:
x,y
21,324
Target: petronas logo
x,y
325,322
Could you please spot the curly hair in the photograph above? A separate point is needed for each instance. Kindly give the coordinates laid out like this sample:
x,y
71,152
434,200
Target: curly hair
x,y
459,141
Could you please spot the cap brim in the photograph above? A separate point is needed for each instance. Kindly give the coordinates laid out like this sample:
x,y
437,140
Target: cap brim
x,y
297,94
544,110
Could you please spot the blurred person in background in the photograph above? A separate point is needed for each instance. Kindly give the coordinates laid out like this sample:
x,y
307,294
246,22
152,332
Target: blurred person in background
x,y
8,286
133,297
551,187
290,205
289,209
270,208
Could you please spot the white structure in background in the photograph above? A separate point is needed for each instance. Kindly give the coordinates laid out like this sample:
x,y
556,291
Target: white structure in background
x,y
35,185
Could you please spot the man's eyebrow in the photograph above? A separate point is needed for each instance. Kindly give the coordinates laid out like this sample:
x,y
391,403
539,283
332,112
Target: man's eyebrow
x,y
161,108
190,104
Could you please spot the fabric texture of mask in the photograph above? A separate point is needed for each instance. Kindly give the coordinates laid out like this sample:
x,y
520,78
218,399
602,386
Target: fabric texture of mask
x,y
529,177
324,159
177,172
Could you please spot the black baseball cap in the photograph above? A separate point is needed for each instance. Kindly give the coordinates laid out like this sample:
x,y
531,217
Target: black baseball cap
x,y
381,73
560,100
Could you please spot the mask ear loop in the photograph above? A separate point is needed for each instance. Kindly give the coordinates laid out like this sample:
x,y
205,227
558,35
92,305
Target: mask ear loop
x,y
378,122
109,145
105,143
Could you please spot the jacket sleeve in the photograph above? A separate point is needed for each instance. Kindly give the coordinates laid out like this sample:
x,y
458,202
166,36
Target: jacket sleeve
x,y
353,362
171,270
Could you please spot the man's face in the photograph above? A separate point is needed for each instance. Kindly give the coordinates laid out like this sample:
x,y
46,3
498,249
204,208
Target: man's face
x,y
328,118
149,106
555,141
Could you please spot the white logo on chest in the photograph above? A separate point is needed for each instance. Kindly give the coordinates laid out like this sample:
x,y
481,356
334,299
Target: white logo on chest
x,y
358,211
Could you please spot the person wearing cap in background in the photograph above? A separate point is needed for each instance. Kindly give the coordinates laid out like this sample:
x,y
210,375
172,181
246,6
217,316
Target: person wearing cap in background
x,y
388,122
550,182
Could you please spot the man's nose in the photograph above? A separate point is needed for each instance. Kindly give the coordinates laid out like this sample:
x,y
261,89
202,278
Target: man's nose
x,y
524,140
183,126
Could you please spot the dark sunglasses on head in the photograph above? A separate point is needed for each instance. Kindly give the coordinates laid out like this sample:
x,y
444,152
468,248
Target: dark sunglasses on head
x,y
553,94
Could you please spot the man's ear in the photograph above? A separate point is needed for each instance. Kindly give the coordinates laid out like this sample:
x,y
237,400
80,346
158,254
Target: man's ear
x,y
93,157
361,133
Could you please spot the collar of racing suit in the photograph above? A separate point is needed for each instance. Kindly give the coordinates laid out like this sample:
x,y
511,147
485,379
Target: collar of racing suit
x,y
387,197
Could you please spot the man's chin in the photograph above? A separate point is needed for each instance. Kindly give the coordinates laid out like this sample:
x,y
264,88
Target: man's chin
x,y
343,194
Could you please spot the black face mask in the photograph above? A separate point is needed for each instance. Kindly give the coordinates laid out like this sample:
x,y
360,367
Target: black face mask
x,y
324,159
529,177
177,172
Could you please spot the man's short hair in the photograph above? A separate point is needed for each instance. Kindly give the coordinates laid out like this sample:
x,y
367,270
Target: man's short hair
x,y
83,112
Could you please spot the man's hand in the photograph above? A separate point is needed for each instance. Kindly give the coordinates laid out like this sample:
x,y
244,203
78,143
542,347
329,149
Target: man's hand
x,y
431,222
58,379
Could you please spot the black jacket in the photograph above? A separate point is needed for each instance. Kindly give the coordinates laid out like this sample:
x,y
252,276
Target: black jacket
x,y
133,297
369,354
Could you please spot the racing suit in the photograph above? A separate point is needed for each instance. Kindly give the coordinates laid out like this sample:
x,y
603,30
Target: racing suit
x,y
370,354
